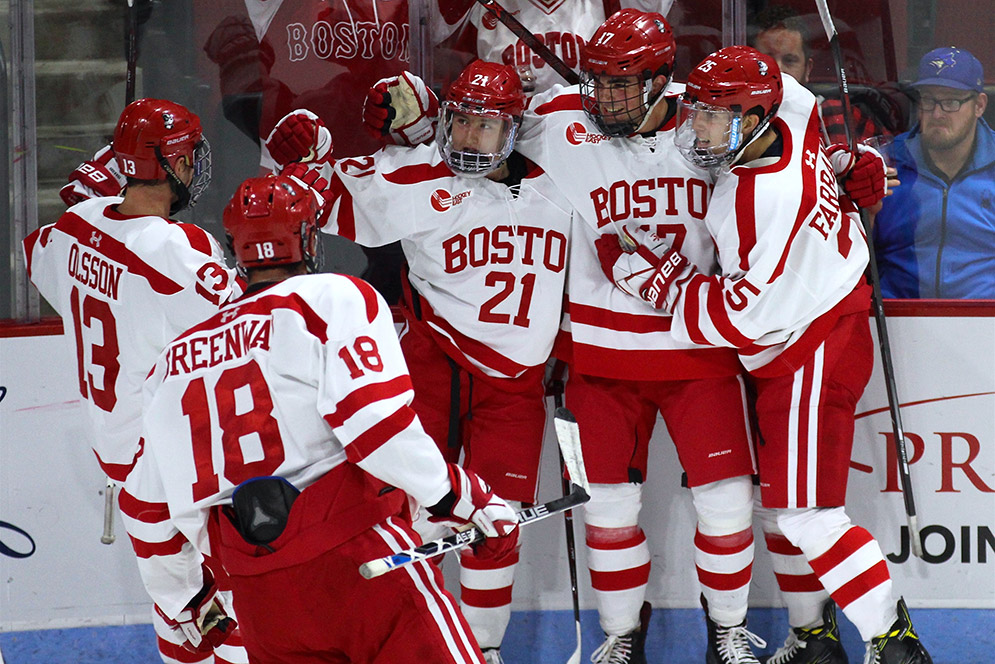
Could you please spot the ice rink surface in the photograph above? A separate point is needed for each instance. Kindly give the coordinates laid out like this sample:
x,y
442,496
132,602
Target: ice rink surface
x,y
676,636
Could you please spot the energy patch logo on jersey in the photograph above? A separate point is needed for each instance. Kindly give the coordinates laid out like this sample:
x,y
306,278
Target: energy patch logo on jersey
x,y
577,134
442,200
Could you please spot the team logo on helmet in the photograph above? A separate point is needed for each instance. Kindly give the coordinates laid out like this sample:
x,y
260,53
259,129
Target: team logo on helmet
x,y
167,120
442,200
577,134
763,67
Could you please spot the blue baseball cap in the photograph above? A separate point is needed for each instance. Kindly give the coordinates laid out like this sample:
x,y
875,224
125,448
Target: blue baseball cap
x,y
952,68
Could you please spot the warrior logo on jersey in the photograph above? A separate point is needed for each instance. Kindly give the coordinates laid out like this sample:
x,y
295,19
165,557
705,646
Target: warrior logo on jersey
x,y
577,134
442,200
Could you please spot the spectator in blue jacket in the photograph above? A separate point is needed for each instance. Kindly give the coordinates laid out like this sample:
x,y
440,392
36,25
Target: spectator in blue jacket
x,y
935,236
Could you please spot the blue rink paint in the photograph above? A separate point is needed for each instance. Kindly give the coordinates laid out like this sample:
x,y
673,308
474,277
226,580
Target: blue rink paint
x,y
676,636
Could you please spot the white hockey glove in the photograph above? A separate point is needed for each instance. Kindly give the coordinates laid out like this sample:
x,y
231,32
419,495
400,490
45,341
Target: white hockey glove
x,y
864,176
647,273
204,623
98,177
300,135
471,500
401,107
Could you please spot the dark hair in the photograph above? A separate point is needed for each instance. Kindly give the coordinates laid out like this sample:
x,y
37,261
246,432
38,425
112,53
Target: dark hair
x,y
780,17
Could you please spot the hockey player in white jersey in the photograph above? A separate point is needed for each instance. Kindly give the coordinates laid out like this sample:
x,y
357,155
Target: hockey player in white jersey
x,y
484,232
791,298
275,435
563,27
608,146
126,280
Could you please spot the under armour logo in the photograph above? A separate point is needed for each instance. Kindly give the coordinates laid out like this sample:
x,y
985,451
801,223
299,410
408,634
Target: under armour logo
x,y
95,238
809,158
229,314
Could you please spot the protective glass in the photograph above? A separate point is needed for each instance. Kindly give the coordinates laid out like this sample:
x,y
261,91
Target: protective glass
x,y
474,141
929,104
616,104
708,136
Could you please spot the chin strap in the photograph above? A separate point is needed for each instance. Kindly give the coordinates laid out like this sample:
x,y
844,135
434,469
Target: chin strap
x,y
651,104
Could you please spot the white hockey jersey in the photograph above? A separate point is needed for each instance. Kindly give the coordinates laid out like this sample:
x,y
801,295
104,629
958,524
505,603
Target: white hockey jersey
x,y
489,260
564,26
788,254
644,185
124,286
294,380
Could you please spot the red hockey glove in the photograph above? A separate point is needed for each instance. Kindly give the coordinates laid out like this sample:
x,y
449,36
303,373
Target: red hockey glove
x,y
632,272
401,107
310,177
864,177
471,501
299,136
91,179
204,623
658,290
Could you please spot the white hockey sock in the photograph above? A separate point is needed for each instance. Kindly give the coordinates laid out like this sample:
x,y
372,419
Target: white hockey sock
x,y
848,562
620,568
725,567
800,587
485,596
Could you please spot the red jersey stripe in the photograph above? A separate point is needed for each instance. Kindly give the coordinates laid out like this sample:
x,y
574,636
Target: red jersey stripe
x,y
170,547
141,510
365,396
369,296
75,227
418,173
196,237
585,314
571,102
369,441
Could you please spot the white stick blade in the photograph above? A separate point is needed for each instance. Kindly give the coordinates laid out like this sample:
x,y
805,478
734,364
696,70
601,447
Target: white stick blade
x,y
568,437
827,19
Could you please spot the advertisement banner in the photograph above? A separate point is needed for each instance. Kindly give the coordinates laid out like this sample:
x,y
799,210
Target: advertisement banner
x,y
57,573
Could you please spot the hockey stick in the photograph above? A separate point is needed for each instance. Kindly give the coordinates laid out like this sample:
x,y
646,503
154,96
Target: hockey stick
x,y
894,405
500,13
107,537
568,436
132,54
374,568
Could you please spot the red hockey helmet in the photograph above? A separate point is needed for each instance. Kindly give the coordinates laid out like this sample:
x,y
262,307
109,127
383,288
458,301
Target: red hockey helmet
x,y
152,135
721,92
634,45
271,221
479,119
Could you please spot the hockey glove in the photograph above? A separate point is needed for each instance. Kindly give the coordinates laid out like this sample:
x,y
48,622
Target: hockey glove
x,y
204,623
403,108
630,272
659,289
91,179
864,177
471,501
299,136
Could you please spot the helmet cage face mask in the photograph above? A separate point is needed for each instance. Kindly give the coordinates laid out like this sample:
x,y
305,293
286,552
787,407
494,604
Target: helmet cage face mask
x,y
627,112
498,127
187,195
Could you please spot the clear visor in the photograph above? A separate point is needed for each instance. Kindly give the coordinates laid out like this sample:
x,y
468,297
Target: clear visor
x,y
473,141
201,170
708,136
616,104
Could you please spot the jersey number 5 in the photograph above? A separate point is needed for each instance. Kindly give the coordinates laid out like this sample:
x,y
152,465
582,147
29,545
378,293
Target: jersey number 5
x,y
238,420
